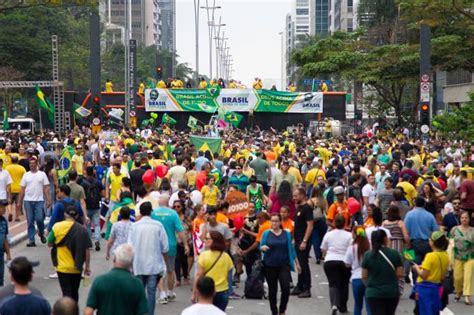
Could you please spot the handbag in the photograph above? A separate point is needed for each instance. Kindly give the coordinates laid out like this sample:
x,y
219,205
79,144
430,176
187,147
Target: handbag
x,y
388,260
448,281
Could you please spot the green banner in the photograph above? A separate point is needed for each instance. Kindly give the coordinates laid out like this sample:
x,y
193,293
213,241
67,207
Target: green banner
x,y
193,100
286,102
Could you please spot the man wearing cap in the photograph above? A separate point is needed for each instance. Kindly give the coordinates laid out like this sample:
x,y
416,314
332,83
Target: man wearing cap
x,y
34,191
23,302
70,252
339,207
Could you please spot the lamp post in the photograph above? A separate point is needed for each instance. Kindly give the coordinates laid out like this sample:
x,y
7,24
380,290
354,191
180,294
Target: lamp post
x,y
210,22
217,38
282,64
196,30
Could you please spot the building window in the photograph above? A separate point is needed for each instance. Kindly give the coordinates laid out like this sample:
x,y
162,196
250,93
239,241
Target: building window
x,y
302,11
459,76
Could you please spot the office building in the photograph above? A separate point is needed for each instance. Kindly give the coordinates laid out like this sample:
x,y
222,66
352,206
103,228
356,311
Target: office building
x,y
342,15
168,24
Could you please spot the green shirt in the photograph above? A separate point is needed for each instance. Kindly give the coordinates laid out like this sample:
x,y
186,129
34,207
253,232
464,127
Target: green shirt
x,y
383,281
463,243
117,292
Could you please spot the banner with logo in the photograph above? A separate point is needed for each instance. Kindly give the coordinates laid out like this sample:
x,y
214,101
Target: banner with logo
x,y
232,100
286,102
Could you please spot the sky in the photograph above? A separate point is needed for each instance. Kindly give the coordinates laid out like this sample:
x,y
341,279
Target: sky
x,y
252,28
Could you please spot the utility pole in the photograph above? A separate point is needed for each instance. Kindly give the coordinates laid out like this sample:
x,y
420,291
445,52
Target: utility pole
x,y
282,87
425,107
210,22
196,30
217,38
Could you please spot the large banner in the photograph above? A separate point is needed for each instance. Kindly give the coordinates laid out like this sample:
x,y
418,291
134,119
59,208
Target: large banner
x,y
234,100
286,102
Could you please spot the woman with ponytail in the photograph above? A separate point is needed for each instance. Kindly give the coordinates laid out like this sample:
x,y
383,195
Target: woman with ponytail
x,y
381,268
353,260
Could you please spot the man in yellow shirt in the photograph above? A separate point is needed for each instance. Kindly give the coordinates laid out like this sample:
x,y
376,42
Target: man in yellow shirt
x,y
257,84
232,84
202,83
109,87
161,84
408,189
141,88
16,172
313,174
291,88
113,185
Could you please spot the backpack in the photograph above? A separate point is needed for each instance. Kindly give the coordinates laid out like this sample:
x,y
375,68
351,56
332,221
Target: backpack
x,y
253,288
93,195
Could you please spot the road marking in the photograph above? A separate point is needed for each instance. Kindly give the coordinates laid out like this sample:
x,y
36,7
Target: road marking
x,y
323,283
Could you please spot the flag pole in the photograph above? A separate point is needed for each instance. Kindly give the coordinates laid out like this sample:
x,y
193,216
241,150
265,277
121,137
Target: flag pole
x,y
40,119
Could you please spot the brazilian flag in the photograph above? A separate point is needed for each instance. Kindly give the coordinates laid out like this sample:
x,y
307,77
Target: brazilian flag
x,y
214,91
204,144
233,118
65,163
6,124
409,254
167,119
45,103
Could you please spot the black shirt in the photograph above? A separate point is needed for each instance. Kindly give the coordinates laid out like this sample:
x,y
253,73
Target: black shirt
x,y
304,213
136,177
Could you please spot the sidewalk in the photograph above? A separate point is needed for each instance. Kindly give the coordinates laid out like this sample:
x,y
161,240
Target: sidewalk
x,y
18,231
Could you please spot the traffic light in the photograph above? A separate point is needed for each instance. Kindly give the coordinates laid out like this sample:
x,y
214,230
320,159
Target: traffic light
x,y
159,72
425,114
96,106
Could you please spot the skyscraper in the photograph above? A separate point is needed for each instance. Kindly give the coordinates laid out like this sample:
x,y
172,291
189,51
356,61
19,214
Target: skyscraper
x,y
342,15
168,24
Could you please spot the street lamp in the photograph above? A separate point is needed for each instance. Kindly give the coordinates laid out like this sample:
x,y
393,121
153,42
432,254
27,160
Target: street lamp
x,y
218,32
196,30
281,63
210,22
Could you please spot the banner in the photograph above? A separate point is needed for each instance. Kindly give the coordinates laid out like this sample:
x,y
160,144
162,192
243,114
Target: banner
x,y
204,144
238,204
237,100
232,100
286,102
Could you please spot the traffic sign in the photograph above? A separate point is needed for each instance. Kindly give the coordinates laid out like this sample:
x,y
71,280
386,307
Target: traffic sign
x,y
133,113
425,129
96,121
425,86
425,77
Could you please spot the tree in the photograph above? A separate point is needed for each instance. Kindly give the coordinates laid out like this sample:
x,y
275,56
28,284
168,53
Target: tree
x,y
458,123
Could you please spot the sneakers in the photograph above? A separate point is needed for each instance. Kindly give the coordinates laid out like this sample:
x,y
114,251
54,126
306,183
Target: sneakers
x,y
234,296
31,244
171,296
97,246
163,298
296,291
53,276
334,310
305,294
43,239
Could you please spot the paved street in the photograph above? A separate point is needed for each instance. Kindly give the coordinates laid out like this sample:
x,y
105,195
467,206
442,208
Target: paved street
x,y
318,304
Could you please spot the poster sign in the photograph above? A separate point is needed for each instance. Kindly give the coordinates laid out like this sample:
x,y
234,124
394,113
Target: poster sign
x,y
238,204
237,100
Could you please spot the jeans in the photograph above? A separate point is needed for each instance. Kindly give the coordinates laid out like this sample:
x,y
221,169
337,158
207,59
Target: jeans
x,y
94,216
304,278
273,275
338,277
230,280
319,230
34,212
69,283
358,289
150,282
383,306
221,299
181,263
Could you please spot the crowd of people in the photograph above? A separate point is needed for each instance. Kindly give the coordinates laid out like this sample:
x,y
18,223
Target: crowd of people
x,y
374,212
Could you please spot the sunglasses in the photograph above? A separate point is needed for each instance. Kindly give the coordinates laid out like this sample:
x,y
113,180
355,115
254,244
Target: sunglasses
x,y
456,203
238,168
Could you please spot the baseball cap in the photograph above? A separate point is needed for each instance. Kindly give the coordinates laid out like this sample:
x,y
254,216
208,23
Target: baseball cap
x,y
22,264
71,210
436,235
406,177
149,151
338,190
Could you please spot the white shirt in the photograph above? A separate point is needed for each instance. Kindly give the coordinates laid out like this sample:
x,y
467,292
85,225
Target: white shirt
x,y
372,229
196,197
173,198
34,184
177,173
353,260
199,309
336,243
5,180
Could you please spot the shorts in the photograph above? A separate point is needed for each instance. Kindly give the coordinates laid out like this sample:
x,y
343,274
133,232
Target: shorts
x,y
170,263
3,202
14,197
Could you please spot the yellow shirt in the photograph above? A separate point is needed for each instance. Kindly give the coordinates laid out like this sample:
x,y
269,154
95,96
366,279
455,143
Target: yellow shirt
x,y
313,174
191,178
219,273
416,161
161,85
257,85
232,85
292,88
410,191
65,259
141,88
202,84
210,196
79,160
115,183
437,265
109,87
296,173
6,158
16,172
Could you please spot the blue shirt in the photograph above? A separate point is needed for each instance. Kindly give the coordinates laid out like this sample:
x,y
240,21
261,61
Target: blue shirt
x,y
149,239
58,211
172,224
25,304
277,255
3,232
100,172
199,162
420,224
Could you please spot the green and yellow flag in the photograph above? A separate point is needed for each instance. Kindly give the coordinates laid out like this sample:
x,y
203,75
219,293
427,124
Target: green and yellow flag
x,y
409,254
65,163
206,143
192,122
6,124
45,103
167,119
233,118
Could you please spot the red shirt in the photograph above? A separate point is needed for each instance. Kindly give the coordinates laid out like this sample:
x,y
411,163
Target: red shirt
x,y
201,180
276,205
467,187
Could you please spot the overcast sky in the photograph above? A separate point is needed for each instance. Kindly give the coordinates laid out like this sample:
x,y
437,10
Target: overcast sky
x,y
253,28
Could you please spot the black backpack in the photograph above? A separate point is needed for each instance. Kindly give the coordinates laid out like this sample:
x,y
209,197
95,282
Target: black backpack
x,y
253,288
93,194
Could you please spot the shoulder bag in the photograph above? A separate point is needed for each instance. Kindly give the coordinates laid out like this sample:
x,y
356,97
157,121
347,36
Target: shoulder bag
x,y
213,264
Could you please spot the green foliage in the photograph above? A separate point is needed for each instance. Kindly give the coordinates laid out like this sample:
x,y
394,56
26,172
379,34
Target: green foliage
x,y
458,123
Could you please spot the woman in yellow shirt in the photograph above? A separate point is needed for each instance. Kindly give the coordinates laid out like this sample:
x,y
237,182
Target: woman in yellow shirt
x,y
431,274
210,192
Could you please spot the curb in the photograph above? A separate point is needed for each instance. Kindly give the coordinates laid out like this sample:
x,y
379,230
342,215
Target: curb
x,y
17,239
